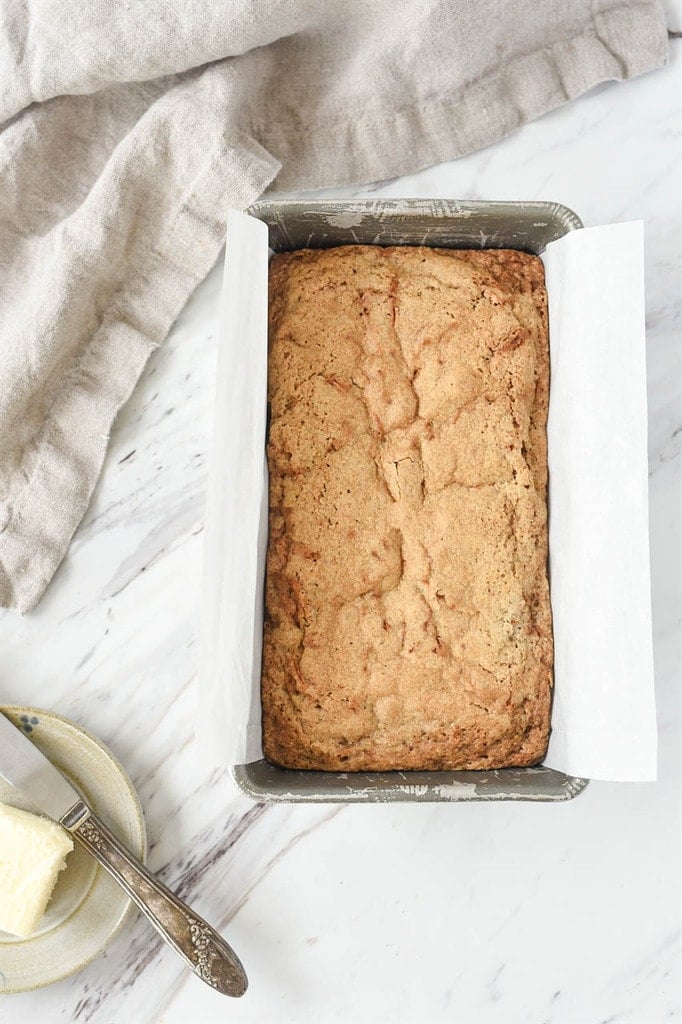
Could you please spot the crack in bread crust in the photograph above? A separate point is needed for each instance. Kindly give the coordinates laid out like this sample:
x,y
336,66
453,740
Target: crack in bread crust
x,y
408,623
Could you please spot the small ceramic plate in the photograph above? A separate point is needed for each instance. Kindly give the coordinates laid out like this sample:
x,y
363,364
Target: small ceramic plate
x,y
87,907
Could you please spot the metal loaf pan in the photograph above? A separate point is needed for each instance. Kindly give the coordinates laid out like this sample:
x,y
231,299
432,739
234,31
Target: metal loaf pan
x,y
448,224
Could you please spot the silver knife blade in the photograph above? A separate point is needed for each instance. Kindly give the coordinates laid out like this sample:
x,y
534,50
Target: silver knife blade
x,y
23,766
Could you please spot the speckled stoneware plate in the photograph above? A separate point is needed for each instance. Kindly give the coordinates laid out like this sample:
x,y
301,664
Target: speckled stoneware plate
x,y
87,907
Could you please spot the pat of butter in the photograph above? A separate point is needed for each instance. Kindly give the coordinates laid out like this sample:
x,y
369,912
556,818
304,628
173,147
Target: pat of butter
x,y
33,851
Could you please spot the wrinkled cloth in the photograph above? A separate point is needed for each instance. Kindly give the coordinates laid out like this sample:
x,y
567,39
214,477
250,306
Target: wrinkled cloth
x,y
127,130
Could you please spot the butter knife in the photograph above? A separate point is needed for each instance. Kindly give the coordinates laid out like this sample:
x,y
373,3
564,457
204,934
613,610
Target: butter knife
x,y
199,945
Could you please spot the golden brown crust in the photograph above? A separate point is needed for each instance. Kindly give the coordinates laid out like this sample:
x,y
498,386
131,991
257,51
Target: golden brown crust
x,y
408,620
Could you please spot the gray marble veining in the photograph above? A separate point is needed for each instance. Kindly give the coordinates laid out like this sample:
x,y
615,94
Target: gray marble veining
x,y
479,914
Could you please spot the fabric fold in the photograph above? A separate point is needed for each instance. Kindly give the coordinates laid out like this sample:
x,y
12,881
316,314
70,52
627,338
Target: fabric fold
x,y
128,132
137,289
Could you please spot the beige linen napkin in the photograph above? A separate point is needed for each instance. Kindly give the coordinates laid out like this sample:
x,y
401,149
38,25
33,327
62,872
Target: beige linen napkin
x,y
126,130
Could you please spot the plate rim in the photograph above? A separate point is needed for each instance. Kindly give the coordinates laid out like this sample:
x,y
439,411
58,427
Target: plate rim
x,y
32,710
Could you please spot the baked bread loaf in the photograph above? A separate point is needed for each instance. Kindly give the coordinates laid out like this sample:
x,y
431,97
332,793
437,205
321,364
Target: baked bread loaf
x,y
408,622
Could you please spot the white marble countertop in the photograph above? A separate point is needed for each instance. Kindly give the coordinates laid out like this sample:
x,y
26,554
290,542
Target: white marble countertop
x,y
472,913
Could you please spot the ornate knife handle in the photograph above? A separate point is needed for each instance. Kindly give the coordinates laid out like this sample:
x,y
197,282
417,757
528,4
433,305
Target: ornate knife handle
x,y
200,945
